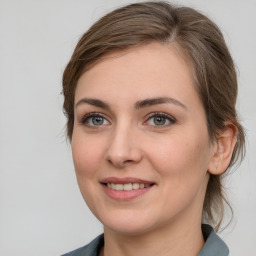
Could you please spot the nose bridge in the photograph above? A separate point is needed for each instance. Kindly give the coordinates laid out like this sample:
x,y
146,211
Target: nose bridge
x,y
123,145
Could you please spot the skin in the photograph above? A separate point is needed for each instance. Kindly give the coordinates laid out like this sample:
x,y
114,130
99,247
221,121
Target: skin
x,y
176,155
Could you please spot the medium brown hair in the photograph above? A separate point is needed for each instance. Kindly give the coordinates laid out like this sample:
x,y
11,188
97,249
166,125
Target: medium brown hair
x,y
201,42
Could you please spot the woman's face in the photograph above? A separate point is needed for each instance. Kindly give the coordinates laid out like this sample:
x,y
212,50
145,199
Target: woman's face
x,y
140,143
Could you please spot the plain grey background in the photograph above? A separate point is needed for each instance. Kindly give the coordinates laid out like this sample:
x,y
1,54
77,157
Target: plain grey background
x,y
41,210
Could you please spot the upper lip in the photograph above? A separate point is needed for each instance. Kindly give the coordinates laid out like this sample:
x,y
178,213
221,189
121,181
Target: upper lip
x,y
125,180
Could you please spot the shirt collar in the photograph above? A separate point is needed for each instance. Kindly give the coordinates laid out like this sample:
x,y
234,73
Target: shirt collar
x,y
213,244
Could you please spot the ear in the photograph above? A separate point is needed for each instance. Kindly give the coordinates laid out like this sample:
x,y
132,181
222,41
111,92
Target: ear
x,y
223,149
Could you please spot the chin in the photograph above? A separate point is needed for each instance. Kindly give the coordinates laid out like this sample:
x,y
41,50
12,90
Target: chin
x,y
125,223
128,229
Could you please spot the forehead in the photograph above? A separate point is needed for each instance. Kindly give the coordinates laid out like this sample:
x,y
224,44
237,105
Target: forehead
x,y
143,71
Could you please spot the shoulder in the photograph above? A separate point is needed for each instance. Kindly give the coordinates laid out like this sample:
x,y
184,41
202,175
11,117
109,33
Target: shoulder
x,y
91,249
214,245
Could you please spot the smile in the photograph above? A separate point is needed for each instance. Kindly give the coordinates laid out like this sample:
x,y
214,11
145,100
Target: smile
x,y
128,186
125,188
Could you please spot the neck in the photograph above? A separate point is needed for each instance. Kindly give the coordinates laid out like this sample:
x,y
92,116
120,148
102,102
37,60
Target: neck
x,y
167,240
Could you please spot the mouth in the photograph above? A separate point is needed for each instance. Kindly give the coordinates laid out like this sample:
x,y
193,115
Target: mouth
x,y
125,188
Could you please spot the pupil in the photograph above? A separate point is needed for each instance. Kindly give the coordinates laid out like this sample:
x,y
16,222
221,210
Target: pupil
x,y
97,120
159,120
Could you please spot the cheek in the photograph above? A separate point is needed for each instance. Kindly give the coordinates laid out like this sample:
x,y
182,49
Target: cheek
x,y
180,157
86,154
182,168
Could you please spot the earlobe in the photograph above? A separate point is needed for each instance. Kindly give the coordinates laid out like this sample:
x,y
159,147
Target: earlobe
x,y
223,150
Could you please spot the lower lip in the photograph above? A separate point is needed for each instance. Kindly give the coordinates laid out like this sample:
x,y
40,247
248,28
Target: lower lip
x,y
123,195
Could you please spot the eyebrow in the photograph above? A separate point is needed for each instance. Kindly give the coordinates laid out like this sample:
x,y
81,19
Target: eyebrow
x,y
138,104
159,100
93,102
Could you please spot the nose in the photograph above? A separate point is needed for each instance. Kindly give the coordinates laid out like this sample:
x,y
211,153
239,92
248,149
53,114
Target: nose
x,y
124,149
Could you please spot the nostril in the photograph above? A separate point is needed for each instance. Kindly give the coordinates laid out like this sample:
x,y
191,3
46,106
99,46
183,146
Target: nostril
x,y
120,163
127,161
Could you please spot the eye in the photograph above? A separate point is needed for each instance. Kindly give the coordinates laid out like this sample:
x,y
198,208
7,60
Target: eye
x,y
94,119
160,120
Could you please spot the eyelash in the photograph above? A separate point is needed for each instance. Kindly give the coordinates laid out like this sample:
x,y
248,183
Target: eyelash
x,y
87,117
167,117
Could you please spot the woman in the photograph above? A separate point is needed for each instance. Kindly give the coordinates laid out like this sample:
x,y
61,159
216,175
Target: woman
x,y
149,95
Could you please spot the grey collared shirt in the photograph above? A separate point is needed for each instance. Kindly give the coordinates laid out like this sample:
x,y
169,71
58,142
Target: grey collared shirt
x,y
213,246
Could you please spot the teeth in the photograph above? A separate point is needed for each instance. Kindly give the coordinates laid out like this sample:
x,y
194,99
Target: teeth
x,y
142,185
119,187
127,186
135,185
